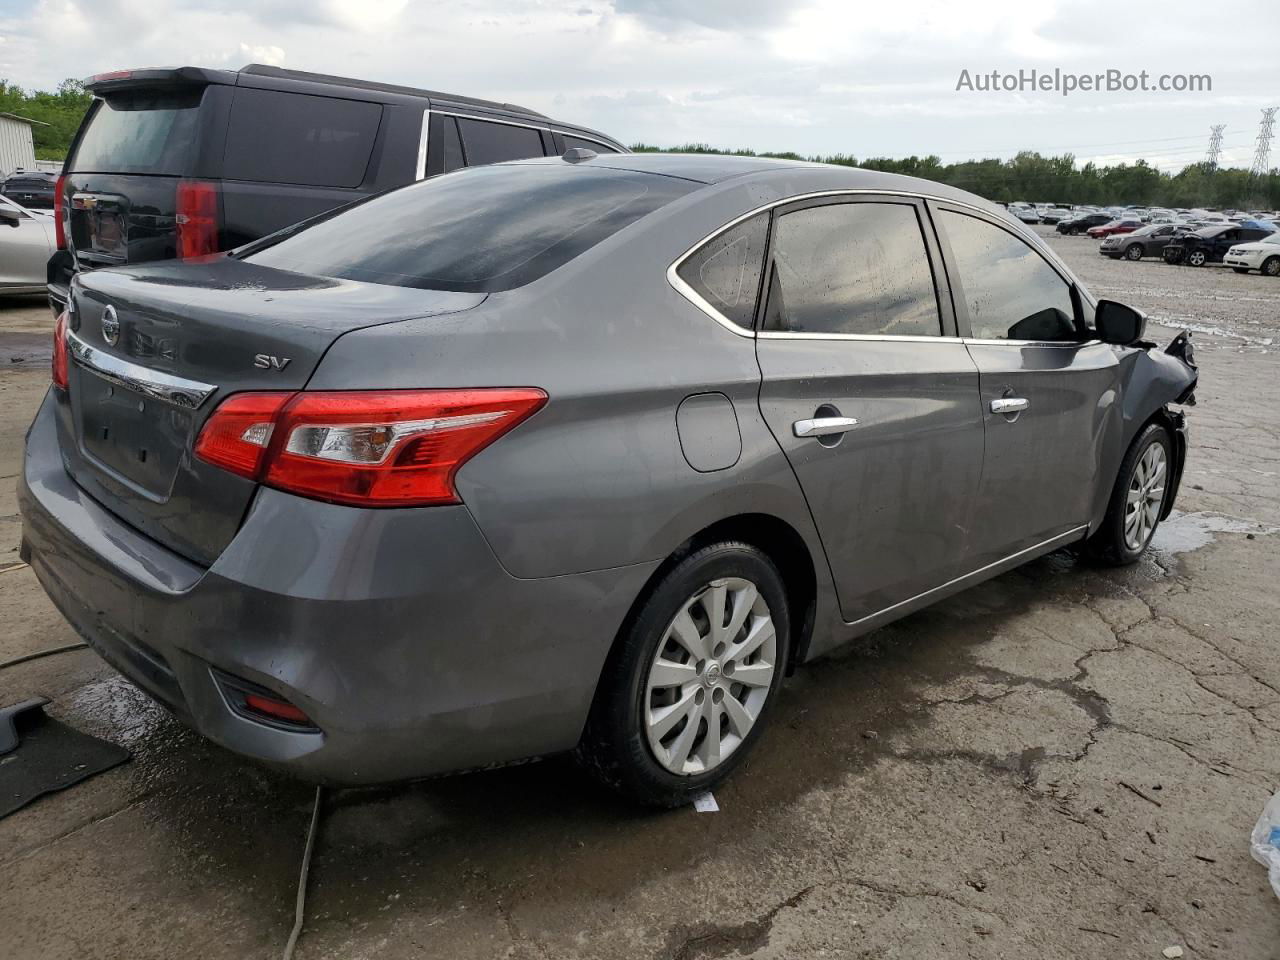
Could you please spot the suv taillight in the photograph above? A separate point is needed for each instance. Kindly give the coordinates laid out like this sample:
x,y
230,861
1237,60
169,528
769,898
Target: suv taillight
x,y
59,211
60,351
373,448
197,218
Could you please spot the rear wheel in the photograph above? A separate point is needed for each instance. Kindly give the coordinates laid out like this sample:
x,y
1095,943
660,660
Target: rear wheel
x,y
1137,500
1072,231
1133,251
687,690
1271,267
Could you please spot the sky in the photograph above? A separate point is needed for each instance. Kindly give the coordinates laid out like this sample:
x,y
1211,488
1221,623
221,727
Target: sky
x,y
813,76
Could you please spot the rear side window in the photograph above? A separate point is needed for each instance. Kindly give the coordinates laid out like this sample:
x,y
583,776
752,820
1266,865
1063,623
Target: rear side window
x,y
493,228
147,133
852,268
295,138
453,159
571,141
1010,290
725,271
486,142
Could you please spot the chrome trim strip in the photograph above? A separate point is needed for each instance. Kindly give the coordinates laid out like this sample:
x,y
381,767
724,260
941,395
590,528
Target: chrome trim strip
x,y
691,295
909,338
179,391
487,119
1032,343
1043,546
423,134
582,136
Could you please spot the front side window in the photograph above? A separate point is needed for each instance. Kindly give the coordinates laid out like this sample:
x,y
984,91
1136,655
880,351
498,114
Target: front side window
x,y
725,271
1011,291
852,268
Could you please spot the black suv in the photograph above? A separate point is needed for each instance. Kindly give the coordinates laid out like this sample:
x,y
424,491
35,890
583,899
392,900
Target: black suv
x,y
30,188
187,161
1073,225
1210,245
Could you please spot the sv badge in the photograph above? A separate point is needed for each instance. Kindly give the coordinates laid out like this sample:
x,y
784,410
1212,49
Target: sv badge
x,y
264,361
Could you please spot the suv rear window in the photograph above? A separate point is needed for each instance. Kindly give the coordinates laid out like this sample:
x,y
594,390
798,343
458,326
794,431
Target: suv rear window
x,y
297,138
143,132
482,229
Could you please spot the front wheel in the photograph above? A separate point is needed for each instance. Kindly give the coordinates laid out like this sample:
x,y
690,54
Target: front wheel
x,y
1137,500
1196,258
1271,267
688,687
1134,252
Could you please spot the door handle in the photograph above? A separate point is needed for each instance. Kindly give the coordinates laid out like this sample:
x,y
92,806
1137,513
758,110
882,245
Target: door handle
x,y
823,426
1009,405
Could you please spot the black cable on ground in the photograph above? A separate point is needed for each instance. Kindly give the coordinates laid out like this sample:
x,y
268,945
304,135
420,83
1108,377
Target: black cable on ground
x,y
42,653
300,905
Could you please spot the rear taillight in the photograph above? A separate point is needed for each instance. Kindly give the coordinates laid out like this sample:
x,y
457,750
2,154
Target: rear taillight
x,y
60,351
196,203
382,448
59,211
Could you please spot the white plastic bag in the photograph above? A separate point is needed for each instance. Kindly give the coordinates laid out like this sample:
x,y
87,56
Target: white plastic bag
x,y
1264,842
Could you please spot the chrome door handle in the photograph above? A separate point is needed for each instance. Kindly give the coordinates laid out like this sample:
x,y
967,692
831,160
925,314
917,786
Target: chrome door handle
x,y
823,426
1009,405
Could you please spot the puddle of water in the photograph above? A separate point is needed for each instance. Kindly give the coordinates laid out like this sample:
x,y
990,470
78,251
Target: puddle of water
x,y
1184,532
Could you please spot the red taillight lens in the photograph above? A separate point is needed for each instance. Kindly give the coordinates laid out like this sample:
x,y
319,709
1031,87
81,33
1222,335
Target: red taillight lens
x,y
388,448
60,351
59,211
275,709
197,218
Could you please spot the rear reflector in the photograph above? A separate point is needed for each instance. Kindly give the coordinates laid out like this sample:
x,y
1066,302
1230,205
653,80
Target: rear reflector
x,y
60,211
60,351
378,448
197,218
275,709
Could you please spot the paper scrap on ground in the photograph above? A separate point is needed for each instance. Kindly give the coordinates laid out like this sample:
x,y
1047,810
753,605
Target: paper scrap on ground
x,y
706,803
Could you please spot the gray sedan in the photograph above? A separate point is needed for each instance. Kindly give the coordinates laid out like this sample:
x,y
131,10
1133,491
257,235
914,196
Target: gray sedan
x,y
579,454
27,240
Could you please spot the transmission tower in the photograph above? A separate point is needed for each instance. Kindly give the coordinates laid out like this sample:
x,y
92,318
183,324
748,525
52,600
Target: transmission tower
x,y
1215,146
1262,155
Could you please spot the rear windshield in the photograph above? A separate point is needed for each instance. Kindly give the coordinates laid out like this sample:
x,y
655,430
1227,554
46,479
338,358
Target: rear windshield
x,y
481,229
142,132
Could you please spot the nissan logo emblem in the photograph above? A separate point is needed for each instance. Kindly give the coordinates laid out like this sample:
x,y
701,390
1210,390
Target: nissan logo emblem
x,y
110,326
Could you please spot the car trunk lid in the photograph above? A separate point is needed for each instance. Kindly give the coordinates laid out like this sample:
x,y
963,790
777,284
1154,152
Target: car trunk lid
x,y
156,348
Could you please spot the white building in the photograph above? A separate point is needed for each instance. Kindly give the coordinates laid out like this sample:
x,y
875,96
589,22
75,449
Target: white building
x,y
16,148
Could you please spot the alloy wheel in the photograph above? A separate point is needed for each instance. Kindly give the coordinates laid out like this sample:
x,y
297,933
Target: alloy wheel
x,y
710,676
1272,267
1196,259
1146,494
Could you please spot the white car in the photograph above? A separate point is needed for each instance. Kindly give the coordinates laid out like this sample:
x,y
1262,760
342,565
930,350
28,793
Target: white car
x,y
1024,213
1263,255
27,241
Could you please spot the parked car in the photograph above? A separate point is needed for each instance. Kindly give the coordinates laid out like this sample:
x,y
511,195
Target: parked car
x,y
1025,214
1077,225
1054,215
1210,244
1261,255
26,241
385,496
188,161
1126,225
33,189
1147,241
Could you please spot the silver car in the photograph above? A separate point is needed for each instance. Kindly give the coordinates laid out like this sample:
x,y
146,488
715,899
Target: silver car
x,y
27,241
576,454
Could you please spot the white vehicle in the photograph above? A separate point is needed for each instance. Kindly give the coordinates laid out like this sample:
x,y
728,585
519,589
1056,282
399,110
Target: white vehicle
x,y
1262,255
1025,213
27,241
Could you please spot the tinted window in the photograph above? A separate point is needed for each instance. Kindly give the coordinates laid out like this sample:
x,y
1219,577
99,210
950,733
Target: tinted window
x,y
1011,292
570,142
852,268
293,138
494,228
453,159
725,271
140,133
486,142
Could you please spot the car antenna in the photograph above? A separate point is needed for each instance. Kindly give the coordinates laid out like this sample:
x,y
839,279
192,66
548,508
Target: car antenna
x,y
578,154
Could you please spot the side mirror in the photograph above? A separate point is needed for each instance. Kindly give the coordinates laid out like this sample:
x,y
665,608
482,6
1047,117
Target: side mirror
x,y
10,216
1118,323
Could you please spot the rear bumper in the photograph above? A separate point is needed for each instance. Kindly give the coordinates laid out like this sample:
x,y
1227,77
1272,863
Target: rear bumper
x,y
397,631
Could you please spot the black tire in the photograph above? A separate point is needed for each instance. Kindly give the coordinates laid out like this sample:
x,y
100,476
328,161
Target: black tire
x,y
615,745
1073,231
1240,269
1108,545
1271,267
1133,251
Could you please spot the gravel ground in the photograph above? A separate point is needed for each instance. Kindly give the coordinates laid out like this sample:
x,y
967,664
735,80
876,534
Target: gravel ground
x,y
1063,762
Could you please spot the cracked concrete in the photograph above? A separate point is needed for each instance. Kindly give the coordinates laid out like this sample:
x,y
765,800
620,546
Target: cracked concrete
x,y
1064,762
